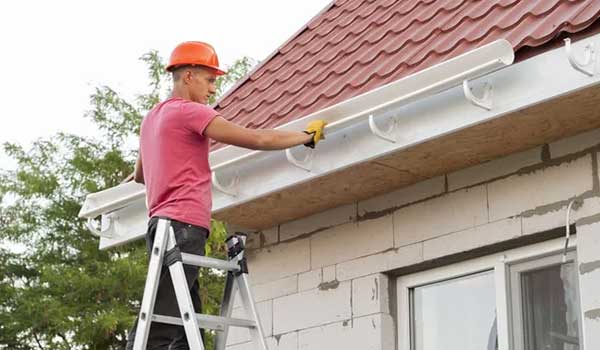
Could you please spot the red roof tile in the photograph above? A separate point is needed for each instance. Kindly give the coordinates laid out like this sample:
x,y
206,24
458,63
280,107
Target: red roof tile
x,y
357,45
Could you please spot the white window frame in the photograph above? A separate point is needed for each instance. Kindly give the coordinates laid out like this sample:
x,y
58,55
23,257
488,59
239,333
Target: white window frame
x,y
518,337
498,262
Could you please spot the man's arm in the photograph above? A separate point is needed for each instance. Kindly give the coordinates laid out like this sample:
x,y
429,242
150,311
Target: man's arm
x,y
128,178
227,132
138,174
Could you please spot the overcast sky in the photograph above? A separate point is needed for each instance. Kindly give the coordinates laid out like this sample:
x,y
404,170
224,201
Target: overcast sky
x,y
53,53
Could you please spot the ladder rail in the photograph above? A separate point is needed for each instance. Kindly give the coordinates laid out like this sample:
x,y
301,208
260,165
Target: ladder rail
x,y
151,286
226,310
237,280
257,333
184,299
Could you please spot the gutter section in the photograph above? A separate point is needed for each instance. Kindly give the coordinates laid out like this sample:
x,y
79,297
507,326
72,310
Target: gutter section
x,y
423,84
542,78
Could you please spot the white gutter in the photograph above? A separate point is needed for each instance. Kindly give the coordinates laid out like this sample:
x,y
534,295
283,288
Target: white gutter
x,y
416,114
422,84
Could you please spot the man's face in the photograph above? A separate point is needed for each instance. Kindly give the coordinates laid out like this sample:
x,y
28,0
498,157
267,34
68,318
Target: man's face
x,y
202,85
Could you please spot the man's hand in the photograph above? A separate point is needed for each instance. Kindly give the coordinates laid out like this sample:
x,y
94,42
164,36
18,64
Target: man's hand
x,y
128,178
315,128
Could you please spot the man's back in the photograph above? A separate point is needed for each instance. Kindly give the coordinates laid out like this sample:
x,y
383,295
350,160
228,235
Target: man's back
x,y
174,154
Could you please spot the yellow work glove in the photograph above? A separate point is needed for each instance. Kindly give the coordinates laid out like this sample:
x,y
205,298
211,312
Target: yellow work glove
x,y
315,128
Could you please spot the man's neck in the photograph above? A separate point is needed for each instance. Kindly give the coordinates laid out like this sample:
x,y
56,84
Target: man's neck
x,y
180,93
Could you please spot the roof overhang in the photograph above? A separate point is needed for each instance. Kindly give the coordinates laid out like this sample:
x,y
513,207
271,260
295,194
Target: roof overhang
x,y
435,131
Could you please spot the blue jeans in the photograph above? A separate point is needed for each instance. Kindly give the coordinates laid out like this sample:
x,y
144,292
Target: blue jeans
x,y
190,239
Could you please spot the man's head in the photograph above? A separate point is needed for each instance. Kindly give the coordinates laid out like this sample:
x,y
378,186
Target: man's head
x,y
196,82
195,68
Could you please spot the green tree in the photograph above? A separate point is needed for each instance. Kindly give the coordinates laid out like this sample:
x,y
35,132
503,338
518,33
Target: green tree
x,y
57,290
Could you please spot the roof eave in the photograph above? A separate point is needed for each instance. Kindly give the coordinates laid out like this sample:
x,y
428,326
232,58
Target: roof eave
x,y
433,136
536,101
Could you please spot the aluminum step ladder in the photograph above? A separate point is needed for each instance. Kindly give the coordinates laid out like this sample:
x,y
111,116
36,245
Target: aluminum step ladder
x,y
237,278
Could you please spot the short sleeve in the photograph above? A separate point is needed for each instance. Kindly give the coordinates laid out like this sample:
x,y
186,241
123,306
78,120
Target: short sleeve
x,y
198,116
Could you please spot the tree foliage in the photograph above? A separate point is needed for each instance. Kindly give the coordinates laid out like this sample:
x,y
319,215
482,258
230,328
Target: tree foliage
x,y
57,290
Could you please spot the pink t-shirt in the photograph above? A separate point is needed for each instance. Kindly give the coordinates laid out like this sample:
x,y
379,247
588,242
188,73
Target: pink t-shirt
x,y
174,155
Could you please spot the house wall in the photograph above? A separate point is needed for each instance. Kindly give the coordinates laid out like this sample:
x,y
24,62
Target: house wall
x,y
323,281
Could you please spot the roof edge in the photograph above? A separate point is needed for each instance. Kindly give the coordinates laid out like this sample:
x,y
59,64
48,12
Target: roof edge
x,y
519,86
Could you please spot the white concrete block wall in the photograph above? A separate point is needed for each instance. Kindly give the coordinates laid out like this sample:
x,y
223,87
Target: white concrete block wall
x,y
494,169
278,261
519,193
329,274
452,212
312,308
556,217
404,196
588,258
385,261
322,277
351,240
281,342
271,290
265,313
370,295
270,236
577,143
364,333
318,222
310,279
472,238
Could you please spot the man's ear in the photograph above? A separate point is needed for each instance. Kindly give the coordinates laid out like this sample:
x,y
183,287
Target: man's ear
x,y
187,76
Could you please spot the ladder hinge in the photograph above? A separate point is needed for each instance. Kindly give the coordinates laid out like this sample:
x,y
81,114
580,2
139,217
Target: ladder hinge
x,y
243,267
235,245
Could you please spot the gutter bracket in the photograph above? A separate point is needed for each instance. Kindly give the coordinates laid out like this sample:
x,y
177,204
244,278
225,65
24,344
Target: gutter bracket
x,y
586,67
384,135
305,163
484,101
230,189
100,233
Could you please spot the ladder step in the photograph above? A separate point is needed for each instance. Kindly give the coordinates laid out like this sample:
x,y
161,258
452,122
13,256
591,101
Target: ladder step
x,y
203,261
208,321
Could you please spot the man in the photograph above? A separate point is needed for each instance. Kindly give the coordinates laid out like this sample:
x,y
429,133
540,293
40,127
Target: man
x,y
173,163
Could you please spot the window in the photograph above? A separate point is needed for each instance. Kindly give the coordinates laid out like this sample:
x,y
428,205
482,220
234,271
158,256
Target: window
x,y
455,314
521,299
545,304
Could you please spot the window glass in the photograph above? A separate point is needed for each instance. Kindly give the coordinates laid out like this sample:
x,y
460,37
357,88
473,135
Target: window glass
x,y
550,308
455,314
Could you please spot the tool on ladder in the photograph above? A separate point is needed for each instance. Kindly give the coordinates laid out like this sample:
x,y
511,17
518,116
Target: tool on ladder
x,y
166,254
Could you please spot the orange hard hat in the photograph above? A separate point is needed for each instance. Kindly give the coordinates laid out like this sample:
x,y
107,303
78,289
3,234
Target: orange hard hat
x,y
195,53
